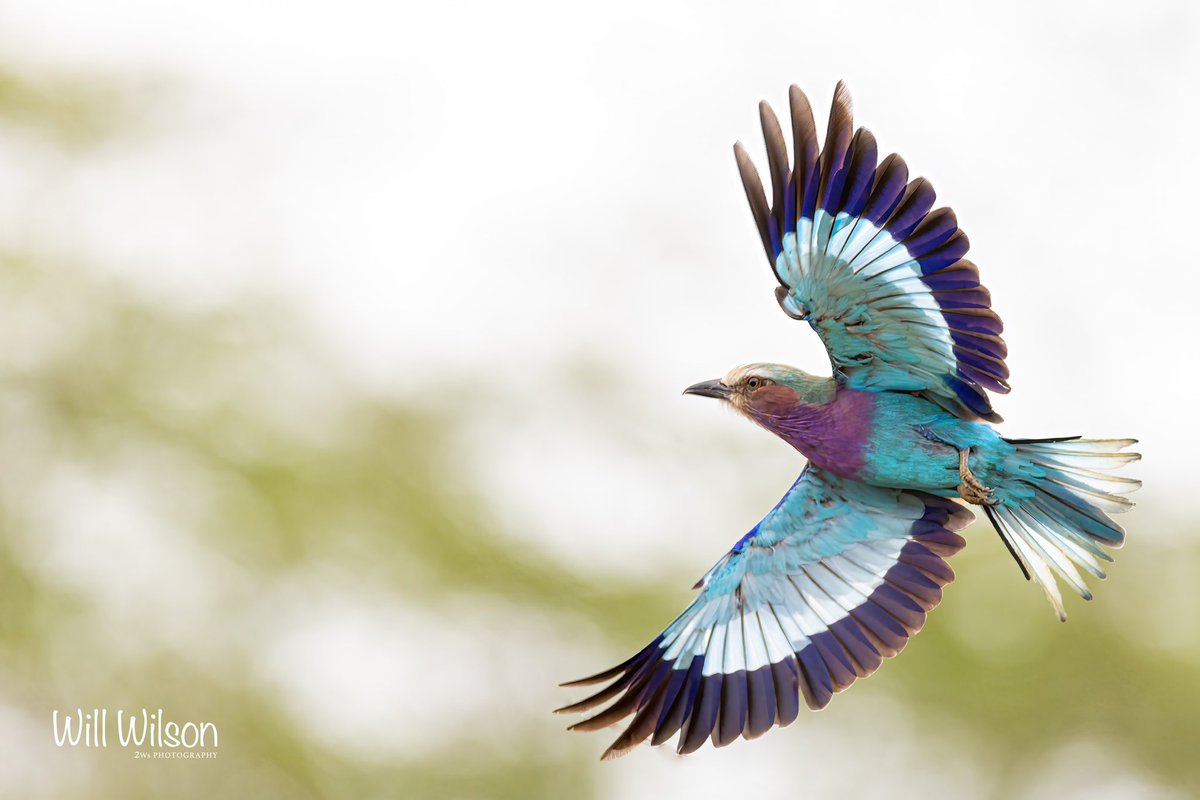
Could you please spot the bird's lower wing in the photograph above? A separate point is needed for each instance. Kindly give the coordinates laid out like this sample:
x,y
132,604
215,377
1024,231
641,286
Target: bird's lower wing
x,y
834,579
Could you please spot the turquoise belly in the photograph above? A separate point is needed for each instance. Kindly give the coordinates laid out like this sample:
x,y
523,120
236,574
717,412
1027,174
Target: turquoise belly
x,y
914,444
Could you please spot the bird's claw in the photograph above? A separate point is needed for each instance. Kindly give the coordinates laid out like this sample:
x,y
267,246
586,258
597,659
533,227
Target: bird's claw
x,y
971,489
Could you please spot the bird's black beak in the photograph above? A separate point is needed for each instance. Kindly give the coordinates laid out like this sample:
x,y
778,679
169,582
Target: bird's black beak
x,y
710,389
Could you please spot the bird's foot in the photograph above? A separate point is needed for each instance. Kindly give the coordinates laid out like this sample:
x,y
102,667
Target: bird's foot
x,y
971,489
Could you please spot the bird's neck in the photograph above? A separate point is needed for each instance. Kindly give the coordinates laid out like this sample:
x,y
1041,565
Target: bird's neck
x,y
831,435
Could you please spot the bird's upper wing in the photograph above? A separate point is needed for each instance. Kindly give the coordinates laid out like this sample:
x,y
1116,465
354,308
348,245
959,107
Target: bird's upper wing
x,y
878,275
834,579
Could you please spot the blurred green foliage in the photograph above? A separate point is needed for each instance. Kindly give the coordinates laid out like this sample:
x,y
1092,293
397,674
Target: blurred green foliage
x,y
69,110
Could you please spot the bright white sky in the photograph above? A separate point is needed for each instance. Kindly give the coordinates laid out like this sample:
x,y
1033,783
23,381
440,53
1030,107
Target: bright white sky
x,y
503,192
498,191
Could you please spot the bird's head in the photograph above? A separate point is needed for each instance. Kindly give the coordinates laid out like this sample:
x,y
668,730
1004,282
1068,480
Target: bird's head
x,y
767,390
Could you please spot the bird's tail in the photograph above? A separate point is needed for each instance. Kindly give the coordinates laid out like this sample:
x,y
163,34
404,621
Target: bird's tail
x,y
1055,514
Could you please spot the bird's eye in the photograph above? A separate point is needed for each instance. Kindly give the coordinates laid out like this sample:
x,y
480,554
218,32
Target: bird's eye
x,y
753,382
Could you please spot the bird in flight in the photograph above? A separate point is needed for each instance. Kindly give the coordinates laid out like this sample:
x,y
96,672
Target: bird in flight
x,y
844,569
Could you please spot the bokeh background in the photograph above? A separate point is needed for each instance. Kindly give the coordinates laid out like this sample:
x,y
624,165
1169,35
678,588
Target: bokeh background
x,y
342,348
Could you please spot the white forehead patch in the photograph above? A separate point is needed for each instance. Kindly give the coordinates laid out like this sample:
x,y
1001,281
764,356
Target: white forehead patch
x,y
769,371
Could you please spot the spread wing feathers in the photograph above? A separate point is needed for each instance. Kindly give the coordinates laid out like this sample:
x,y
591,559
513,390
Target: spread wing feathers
x,y
860,253
835,579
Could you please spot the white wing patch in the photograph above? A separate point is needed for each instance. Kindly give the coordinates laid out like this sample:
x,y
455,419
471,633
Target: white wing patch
x,y
859,252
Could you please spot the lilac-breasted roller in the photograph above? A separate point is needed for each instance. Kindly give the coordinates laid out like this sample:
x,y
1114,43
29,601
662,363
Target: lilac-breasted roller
x,y
843,570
